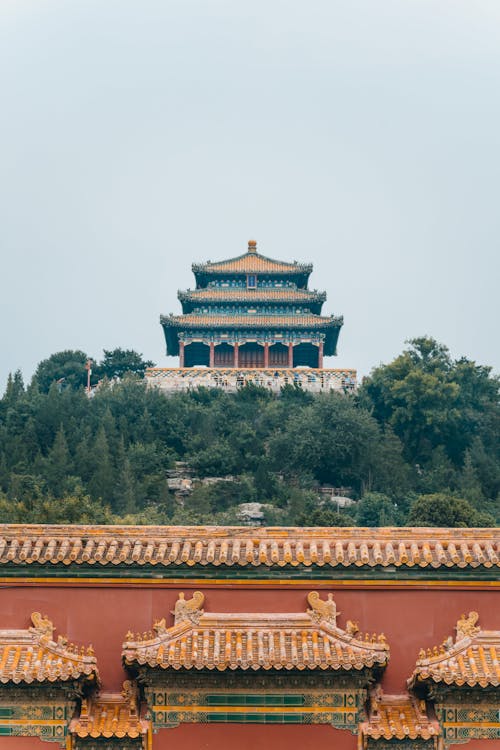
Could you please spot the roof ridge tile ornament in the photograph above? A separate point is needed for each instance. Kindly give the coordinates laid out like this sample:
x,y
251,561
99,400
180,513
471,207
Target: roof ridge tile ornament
x,y
189,610
322,610
43,626
466,626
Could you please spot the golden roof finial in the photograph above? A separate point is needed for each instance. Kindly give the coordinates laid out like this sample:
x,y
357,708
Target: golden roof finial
x,y
252,247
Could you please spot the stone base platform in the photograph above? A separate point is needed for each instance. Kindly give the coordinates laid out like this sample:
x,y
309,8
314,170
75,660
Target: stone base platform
x,y
178,379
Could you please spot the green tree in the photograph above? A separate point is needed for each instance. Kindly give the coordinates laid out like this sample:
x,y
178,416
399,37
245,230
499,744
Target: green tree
x,y
15,388
58,464
101,483
66,368
446,510
117,362
376,509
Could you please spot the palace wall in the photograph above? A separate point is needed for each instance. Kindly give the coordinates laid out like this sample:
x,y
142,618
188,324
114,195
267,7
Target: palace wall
x,y
410,619
95,584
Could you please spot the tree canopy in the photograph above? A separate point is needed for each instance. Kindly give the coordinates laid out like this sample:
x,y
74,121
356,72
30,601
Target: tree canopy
x,y
418,444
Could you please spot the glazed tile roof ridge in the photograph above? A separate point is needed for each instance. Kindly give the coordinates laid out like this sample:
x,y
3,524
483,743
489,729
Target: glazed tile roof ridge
x,y
233,546
232,294
251,320
252,261
110,715
31,655
472,660
398,717
253,641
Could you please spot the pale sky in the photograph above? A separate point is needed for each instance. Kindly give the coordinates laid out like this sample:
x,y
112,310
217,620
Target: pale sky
x,y
138,137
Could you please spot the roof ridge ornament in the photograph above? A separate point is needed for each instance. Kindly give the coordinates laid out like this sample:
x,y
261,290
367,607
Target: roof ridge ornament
x,y
189,610
466,626
322,610
42,625
252,247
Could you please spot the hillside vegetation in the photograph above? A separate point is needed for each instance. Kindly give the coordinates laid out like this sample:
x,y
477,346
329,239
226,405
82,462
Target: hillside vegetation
x,y
418,444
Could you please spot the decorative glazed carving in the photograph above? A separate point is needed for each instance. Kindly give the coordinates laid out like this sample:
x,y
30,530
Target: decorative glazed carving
x,y
43,625
322,610
188,609
466,626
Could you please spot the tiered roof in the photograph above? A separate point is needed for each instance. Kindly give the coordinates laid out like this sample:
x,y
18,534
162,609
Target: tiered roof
x,y
275,283
251,262
254,641
276,295
31,656
202,320
397,717
472,660
241,546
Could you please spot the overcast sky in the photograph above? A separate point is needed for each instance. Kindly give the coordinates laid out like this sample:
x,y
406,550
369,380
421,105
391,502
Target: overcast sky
x,y
138,137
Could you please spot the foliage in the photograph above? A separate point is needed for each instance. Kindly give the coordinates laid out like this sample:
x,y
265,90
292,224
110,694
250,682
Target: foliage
x,y
117,362
65,368
68,368
445,510
418,444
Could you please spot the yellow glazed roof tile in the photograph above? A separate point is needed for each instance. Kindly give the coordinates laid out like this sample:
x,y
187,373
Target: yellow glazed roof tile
x,y
111,715
250,295
473,659
252,262
397,717
219,641
229,546
32,655
193,320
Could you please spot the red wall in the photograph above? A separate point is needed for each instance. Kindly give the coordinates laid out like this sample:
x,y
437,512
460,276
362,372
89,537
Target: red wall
x,y
243,737
410,619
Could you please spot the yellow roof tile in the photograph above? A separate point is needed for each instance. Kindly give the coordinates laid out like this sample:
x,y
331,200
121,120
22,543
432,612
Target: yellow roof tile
x,y
31,655
252,262
305,640
398,717
228,546
302,320
111,715
251,295
473,659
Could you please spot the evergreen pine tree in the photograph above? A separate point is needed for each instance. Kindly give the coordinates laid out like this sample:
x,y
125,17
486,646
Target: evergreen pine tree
x,y
102,481
469,484
58,464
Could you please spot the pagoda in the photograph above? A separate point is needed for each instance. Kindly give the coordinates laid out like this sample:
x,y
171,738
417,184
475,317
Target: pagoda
x,y
251,312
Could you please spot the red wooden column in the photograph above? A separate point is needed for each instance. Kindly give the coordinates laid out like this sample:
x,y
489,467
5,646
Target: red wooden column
x,y
320,355
236,354
181,353
290,355
266,355
212,354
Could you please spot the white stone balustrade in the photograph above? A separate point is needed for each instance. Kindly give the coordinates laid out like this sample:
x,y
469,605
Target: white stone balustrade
x,y
176,379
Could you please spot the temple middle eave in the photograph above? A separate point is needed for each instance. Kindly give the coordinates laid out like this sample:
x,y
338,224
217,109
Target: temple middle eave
x,y
214,297
242,328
